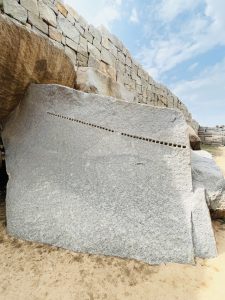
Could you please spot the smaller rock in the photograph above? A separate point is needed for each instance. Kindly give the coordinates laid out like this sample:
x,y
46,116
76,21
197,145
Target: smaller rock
x,y
194,139
207,175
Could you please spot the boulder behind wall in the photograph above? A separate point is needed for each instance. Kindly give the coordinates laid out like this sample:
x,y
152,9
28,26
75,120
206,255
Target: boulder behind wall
x,y
91,80
206,174
25,58
195,141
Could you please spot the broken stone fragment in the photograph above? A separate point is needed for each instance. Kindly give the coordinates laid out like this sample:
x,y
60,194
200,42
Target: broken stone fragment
x,y
207,175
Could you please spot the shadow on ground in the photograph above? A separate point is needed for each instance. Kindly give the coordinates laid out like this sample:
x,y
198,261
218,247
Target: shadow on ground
x,y
35,271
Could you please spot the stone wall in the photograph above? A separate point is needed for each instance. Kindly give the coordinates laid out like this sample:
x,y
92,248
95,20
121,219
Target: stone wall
x,y
212,135
88,46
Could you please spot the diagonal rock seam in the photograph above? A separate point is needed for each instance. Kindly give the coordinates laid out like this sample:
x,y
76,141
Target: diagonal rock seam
x,y
150,140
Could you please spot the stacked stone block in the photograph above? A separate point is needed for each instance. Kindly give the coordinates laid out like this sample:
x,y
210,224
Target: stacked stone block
x,y
88,46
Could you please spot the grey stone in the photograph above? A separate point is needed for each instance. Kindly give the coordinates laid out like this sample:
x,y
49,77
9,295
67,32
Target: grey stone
x,y
93,62
95,32
47,14
68,29
70,18
121,57
83,23
88,36
85,188
72,12
12,8
97,44
30,5
94,51
82,51
113,49
203,235
207,175
107,57
37,22
83,43
71,44
128,61
51,5
105,42
82,60
79,28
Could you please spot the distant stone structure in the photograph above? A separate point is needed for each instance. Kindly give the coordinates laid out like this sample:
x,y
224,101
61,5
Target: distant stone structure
x,y
212,135
89,47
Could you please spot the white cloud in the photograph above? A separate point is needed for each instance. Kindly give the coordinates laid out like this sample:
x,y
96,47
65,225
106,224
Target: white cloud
x,y
170,9
170,46
98,12
205,95
134,16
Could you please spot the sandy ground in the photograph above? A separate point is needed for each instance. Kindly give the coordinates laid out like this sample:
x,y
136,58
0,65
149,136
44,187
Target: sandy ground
x,y
31,271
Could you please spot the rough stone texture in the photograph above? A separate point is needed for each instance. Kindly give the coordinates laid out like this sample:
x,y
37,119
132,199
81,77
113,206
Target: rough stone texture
x,y
194,139
203,235
47,14
30,5
12,8
18,69
68,29
91,80
54,34
86,188
38,23
206,174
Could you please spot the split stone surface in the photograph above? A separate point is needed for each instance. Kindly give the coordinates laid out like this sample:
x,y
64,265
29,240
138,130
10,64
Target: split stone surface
x,y
88,189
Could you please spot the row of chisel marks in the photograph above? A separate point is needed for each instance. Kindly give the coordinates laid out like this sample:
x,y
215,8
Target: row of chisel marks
x,y
122,133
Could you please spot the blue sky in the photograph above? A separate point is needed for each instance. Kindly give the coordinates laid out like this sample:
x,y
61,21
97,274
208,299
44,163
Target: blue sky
x,y
181,43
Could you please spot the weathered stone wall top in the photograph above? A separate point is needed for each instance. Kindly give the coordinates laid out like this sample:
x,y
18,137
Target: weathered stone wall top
x,y
88,46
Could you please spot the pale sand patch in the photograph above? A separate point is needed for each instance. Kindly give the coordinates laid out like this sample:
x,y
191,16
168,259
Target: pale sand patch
x,y
220,159
32,271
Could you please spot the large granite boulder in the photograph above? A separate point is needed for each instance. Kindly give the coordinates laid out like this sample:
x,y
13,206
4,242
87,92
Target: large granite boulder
x,y
26,57
207,175
98,175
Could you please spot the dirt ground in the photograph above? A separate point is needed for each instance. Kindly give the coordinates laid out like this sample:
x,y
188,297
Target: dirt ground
x,y
30,271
